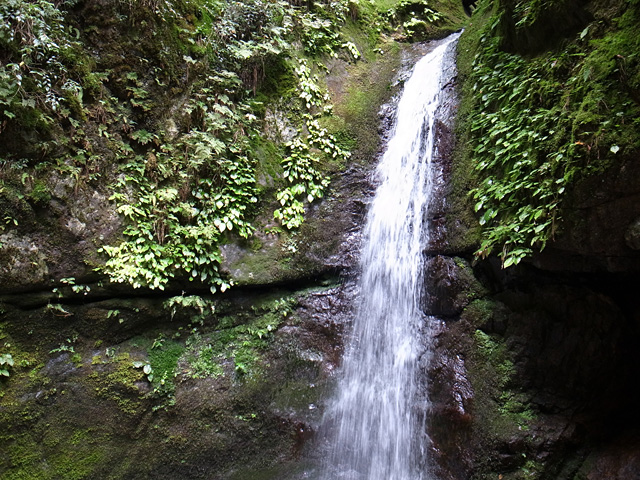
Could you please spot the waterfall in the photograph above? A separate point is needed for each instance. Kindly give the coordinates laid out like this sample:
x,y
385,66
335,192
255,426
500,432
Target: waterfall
x,y
376,422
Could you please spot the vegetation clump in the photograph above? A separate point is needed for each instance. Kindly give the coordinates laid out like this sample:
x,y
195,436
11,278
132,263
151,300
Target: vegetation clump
x,y
538,125
170,122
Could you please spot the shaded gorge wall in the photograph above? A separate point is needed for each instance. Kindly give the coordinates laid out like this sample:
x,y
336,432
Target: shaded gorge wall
x,y
534,375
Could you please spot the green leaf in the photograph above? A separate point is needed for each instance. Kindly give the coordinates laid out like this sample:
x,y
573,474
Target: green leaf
x,y
584,32
510,261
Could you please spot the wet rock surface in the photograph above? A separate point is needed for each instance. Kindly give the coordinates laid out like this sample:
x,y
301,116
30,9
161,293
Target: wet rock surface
x,y
58,241
245,396
547,382
450,286
532,372
600,230
533,367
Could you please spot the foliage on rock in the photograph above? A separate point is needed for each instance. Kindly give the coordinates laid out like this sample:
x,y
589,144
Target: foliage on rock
x,y
209,172
184,177
540,124
162,105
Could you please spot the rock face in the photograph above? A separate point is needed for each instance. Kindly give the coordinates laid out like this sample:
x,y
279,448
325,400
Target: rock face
x,y
536,377
59,240
532,373
113,382
90,407
533,368
601,230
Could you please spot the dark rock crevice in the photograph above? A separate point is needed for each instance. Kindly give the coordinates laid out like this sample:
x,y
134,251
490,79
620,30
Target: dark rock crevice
x,y
550,362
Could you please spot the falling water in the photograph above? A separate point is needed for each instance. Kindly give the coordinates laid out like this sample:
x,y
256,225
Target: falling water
x,y
376,424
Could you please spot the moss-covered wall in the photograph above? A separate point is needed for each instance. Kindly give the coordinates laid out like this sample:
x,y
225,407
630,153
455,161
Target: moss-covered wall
x,y
550,100
138,392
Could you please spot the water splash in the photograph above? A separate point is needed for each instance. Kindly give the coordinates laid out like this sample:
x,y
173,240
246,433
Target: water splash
x,y
376,427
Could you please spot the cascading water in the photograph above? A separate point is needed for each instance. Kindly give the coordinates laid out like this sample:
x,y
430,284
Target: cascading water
x,y
376,424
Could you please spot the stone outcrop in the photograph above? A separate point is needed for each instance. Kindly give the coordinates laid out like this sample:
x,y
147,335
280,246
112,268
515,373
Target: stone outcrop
x,y
109,381
536,377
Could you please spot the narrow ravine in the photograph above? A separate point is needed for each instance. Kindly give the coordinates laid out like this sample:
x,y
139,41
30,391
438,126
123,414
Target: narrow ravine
x,y
375,425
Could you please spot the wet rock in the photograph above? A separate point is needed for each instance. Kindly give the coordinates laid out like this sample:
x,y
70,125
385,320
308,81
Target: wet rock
x,y
618,461
329,314
84,376
599,229
632,235
449,286
278,126
545,369
60,367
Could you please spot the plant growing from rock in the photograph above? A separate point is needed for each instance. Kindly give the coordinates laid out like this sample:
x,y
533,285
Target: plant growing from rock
x,y
6,362
539,125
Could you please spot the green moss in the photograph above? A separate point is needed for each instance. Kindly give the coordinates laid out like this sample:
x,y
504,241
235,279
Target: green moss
x,y
14,209
384,5
495,354
28,363
366,88
241,339
202,359
164,358
611,71
532,469
77,459
269,264
117,383
345,139
479,312
279,81
358,103
503,408
26,459
40,192
59,454
269,158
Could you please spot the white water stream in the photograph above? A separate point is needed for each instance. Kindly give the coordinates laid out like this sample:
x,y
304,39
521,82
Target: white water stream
x,y
377,429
